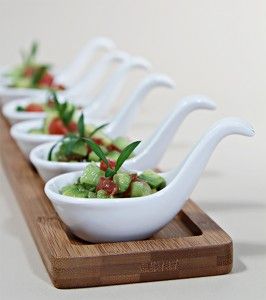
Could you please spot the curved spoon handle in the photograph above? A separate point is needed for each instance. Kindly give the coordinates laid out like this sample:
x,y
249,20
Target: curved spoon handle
x,y
71,73
184,179
85,87
102,103
125,117
146,157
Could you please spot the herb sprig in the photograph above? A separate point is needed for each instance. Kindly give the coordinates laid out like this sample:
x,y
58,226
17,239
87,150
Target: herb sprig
x,y
65,113
30,57
73,139
124,155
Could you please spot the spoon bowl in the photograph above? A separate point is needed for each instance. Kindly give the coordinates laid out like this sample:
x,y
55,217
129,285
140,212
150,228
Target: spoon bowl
x,y
68,76
124,219
145,157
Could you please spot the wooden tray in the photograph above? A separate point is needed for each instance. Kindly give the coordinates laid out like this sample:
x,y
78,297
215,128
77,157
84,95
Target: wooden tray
x,y
191,245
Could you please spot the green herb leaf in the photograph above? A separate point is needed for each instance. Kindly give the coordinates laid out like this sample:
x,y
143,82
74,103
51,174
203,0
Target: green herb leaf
x,y
70,145
37,76
20,108
97,150
109,172
53,95
81,126
124,155
52,149
97,129
28,59
34,49
67,114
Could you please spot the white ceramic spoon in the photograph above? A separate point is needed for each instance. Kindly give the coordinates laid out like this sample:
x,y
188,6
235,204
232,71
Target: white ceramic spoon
x,y
122,123
48,169
27,141
111,88
150,152
7,94
73,72
86,85
124,219
102,103
75,95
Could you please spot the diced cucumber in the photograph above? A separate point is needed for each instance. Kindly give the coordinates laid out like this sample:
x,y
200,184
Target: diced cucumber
x,y
140,188
123,181
80,148
92,195
89,129
153,179
105,139
91,175
23,82
102,194
113,155
75,190
121,142
93,157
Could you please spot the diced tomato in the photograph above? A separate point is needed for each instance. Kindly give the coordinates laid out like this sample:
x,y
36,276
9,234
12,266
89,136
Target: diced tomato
x,y
134,177
98,141
28,72
111,163
34,107
72,126
46,80
57,127
50,103
107,185
113,148
58,86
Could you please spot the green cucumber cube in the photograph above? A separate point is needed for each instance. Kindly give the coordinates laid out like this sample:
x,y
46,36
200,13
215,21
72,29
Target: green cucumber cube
x,y
91,175
153,179
140,188
123,181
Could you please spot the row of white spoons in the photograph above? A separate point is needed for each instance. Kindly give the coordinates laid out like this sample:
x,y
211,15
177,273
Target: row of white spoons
x,y
99,220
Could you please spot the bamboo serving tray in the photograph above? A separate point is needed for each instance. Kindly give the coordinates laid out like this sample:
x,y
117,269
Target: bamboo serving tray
x,y
191,245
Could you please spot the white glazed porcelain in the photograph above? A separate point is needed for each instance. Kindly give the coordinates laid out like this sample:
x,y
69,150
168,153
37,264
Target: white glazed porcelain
x,y
72,73
124,219
146,156
67,76
49,169
28,141
13,116
103,101
80,94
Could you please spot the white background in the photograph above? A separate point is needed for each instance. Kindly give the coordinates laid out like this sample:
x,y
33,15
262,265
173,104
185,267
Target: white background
x,y
213,47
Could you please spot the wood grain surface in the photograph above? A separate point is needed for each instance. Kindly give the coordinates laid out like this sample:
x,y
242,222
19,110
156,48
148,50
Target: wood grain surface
x,y
191,245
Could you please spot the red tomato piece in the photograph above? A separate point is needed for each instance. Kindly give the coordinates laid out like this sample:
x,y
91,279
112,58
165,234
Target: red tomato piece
x,y
34,107
98,141
134,177
46,80
113,148
72,126
58,86
103,165
107,185
28,72
57,127
51,103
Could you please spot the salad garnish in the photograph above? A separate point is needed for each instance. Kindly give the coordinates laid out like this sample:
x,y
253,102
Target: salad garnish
x,y
108,181
31,74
